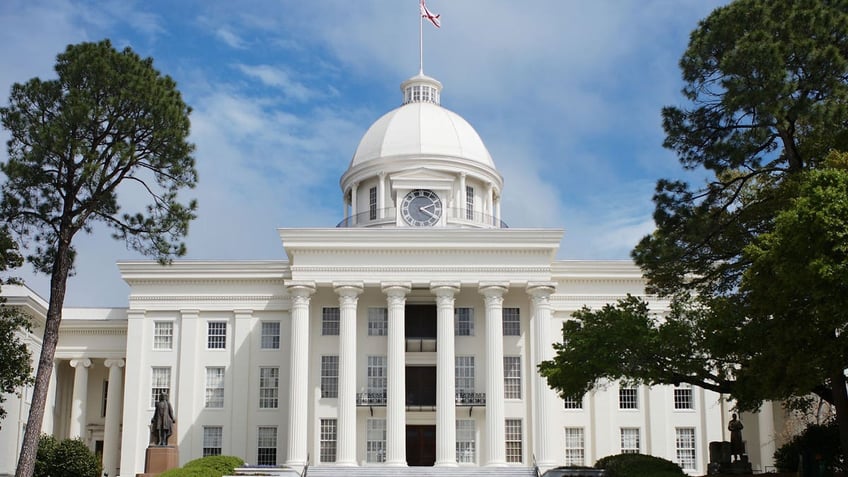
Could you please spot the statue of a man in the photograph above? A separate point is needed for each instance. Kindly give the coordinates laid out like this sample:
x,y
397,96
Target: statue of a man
x,y
737,447
163,420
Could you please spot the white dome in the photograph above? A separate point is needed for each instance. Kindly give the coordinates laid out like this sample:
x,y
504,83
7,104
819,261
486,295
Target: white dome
x,y
421,129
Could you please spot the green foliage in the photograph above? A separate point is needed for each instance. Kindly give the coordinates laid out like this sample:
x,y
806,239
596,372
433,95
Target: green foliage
x,y
817,440
638,465
15,364
66,458
212,466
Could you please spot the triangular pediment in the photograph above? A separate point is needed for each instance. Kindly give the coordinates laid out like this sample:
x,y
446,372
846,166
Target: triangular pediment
x,y
422,177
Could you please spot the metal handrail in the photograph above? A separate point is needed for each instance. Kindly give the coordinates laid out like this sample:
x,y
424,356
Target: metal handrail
x,y
470,399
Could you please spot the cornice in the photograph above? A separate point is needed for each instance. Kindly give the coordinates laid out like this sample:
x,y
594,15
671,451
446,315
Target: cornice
x,y
595,269
205,271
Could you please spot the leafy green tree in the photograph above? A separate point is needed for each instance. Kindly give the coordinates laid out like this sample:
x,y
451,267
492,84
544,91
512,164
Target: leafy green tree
x,y
109,129
65,458
15,367
766,90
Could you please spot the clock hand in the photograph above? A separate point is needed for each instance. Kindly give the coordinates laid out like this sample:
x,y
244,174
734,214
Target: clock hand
x,y
423,209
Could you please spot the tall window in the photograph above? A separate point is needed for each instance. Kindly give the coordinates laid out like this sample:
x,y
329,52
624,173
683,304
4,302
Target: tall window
x,y
463,321
330,317
105,396
213,437
270,335
269,387
513,440
328,440
378,322
683,397
215,387
216,335
574,446
163,335
628,398
469,202
630,440
266,446
572,403
372,203
160,382
685,443
464,374
466,441
511,322
375,440
377,375
512,377
330,376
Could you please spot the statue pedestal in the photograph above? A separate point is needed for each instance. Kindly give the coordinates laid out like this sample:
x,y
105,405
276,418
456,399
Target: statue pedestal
x,y
158,459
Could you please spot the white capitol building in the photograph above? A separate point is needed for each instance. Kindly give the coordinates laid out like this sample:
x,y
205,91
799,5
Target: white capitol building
x,y
408,335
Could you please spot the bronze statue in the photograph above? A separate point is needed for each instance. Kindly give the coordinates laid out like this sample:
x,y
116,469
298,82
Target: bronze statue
x,y
737,447
163,420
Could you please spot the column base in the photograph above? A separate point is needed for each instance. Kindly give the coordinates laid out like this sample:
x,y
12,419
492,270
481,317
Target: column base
x,y
496,464
400,463
447,463
347,463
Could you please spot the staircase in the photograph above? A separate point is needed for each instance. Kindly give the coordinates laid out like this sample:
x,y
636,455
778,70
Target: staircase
x,y
385,471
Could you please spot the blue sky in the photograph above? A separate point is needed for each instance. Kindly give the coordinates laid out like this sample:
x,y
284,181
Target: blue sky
x,y
566,94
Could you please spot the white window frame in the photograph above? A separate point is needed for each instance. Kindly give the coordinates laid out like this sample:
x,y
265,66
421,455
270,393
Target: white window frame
x,y
466,441
685,447
270,337
266,445
330,321
512,377
328,439
628,398
269,387
163,335
214,387
572,404
464,379
469,203
378,321
683,397
160,382
372,203
514,441
575,446
377,375
213,440
631,440
375,440
216,334
463,321
511,321
330,376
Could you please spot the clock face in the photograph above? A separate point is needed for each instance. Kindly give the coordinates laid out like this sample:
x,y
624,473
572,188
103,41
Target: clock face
x,y
421,208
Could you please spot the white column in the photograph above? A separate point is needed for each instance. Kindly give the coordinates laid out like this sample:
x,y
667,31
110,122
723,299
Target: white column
x,y
498,211
396,374
299,380
80,397
135,434
765,419
348,297
489,193
237,393
495,434
353,209
445,384
112,425
189,377
47,423
543,397
381,195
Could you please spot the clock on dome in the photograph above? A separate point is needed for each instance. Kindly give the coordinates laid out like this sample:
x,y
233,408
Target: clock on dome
x,y
421,208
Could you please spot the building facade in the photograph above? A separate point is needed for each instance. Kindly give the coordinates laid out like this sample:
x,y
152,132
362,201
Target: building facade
x,y
407,335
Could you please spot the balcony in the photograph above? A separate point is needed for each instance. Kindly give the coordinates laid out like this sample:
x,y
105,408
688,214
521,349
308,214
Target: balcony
x,y
455,217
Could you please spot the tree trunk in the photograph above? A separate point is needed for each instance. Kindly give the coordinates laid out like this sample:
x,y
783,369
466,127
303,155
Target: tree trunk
x,y
840,402
58,284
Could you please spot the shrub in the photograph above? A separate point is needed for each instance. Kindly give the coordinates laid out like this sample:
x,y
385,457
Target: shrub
x,y
819,442
67,458
638,465
212,466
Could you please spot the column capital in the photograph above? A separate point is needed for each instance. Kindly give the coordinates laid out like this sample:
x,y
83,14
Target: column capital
x,y
84,362
189,313
300,286
444,288
396,289
541,289
135,314
382,175
493,289
348,289
116,362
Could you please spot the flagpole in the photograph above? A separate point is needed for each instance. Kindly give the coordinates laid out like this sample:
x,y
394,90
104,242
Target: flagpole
x,y
420,40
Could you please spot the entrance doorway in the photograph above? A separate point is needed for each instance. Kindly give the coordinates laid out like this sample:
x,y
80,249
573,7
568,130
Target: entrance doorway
x,y
421,445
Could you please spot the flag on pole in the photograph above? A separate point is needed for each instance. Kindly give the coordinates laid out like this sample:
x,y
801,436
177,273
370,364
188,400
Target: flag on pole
x,y
426,13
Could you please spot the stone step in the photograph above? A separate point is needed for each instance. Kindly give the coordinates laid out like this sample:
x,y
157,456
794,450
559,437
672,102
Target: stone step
x,y
384,471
